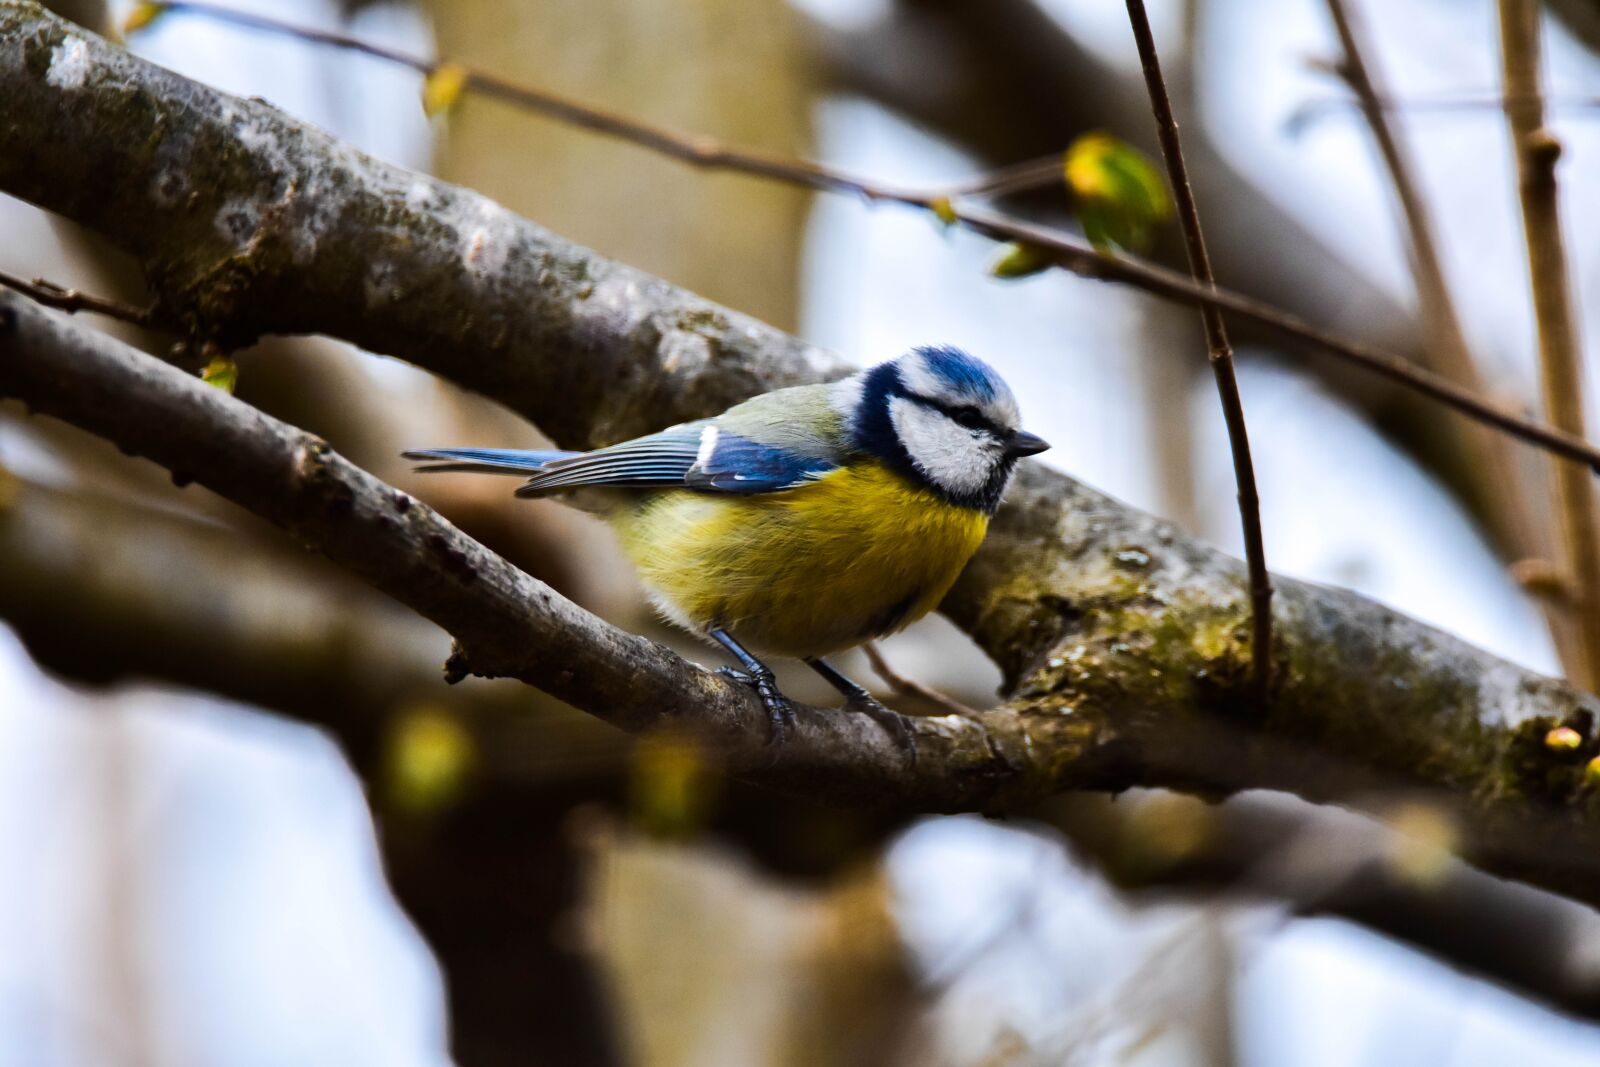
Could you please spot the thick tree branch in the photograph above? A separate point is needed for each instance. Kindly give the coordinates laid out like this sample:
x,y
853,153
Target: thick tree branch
x,y
249,222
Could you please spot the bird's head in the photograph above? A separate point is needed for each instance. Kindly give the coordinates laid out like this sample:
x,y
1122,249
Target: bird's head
x,y
942,418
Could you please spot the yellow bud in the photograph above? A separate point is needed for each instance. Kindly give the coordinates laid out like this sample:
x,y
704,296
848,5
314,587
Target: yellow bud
x,y
674,787
1591,773
1541,578
221,372
428,758
1563,739
1019,260
142,15
1425,841
1119,194
10,488
943,210
442,89
1168,828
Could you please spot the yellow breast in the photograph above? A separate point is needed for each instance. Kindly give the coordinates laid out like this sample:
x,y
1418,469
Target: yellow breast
x,y
859,553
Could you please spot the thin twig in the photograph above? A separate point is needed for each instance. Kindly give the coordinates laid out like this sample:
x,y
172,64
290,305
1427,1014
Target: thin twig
x,y
1071,254
1487,461
1019,177
1560,360
1451,354
1320,107
697,150
1218,349
1081,260
909,687
50,294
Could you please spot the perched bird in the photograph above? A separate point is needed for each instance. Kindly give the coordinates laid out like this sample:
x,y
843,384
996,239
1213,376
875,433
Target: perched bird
x,y
806,520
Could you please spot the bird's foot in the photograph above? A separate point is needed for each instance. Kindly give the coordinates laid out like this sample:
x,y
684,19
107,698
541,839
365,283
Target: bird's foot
x,y
897,725
780,712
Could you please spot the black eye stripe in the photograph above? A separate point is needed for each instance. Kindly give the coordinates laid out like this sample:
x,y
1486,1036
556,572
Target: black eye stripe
x,y
955,412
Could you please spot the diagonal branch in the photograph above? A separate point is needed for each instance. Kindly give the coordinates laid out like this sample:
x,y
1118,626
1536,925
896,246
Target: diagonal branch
x,y
1219,350
249,222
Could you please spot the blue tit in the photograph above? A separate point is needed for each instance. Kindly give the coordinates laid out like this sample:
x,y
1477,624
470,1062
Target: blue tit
x,y
804,521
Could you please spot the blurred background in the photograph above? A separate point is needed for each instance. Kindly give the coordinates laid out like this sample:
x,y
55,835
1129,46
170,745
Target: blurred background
x,y
242,821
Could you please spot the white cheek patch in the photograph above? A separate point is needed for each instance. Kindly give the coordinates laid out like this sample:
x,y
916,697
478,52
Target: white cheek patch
x,y
950,456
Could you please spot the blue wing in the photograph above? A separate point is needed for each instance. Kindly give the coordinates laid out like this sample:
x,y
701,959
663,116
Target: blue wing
x,y
693,456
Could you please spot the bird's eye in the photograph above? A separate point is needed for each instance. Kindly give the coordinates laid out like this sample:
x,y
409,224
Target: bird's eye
x,y
971,418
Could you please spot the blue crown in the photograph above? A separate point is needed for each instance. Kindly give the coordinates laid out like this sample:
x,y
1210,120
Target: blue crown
x,y
962,373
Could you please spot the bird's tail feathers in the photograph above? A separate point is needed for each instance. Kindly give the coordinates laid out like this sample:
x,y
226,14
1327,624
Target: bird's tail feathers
x,y
482,460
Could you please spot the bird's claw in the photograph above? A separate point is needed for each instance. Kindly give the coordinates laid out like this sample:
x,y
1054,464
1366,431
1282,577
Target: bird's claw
x,y
897,725
780,712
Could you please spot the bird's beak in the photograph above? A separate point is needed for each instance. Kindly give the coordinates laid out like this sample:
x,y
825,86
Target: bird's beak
x,y
1023,443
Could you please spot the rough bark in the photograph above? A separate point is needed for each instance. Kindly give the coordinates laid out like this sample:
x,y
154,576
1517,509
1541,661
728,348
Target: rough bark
x,y
101,589
1124,643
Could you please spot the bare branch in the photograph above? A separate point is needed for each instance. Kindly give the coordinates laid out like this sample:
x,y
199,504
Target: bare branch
x,y
55,296
249,223
1218,348
1560,359
1498,481
348,662
1315,109
910,687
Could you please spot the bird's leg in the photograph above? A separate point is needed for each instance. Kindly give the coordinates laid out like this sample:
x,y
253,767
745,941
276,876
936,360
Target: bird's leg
x,y
758,676
856,698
